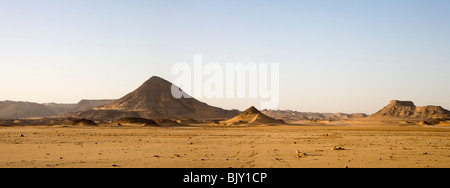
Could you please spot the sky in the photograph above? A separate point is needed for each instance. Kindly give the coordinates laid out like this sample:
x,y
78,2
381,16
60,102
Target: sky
x,y
334,56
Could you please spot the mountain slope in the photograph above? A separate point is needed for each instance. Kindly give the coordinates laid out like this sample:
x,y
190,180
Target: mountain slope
x,y
85,104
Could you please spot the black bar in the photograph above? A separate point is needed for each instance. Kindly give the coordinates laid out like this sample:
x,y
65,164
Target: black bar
x,y
224,177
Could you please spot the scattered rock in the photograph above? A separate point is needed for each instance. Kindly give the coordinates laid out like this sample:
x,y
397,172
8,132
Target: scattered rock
x,y
137,121
82,121
302,155
338,148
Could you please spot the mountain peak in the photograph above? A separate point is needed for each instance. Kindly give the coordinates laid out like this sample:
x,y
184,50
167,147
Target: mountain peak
x,y
252,110
157,79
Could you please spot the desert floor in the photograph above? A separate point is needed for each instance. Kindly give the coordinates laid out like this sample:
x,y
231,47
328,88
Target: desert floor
x,y
224,147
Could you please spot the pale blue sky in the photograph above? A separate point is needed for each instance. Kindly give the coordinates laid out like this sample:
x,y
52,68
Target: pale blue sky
x,y
335,56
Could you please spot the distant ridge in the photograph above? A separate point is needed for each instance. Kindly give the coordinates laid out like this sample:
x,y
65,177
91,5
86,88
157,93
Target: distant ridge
x,y
291,115
18,109
408,110
13,109
83,105
153,100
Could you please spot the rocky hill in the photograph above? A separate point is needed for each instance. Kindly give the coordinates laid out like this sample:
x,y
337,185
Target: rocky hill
x,y
408,110
252,116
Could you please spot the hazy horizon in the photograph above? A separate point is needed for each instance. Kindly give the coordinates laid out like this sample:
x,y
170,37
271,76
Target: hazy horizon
x,y
335,56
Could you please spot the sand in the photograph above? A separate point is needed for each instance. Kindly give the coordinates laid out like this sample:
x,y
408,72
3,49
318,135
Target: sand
x,y
201,146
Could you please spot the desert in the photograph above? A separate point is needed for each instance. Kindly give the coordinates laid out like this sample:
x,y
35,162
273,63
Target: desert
x,y
362,145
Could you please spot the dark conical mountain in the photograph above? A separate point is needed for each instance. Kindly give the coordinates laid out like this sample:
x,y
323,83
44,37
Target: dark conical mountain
x,y
154,94
153,99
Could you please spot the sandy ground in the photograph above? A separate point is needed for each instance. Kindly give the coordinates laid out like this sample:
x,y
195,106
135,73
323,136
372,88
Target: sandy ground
x,y
237,147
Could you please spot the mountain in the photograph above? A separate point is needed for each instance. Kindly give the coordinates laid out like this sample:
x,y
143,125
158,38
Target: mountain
x,y
252,116
153,99
408,110
12,109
